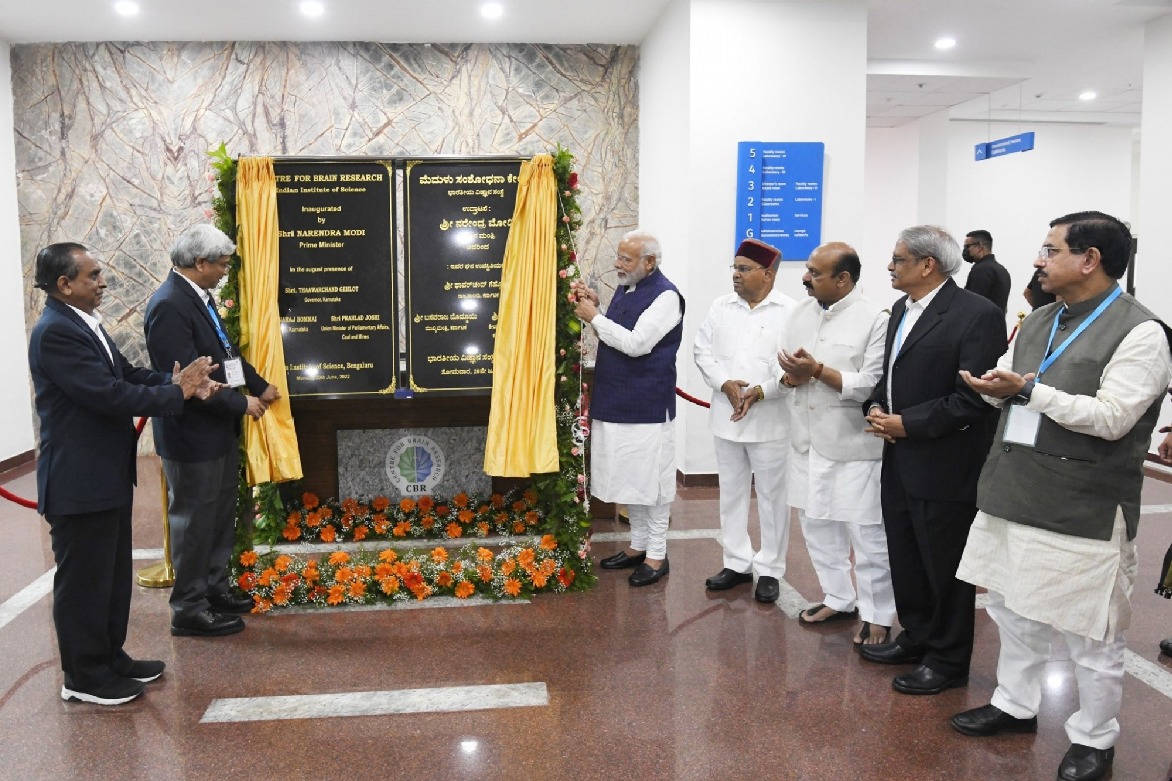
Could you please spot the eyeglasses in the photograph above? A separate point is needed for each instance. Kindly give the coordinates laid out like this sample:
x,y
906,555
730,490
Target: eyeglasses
x,y
896,260
629,261
745,269
1045,253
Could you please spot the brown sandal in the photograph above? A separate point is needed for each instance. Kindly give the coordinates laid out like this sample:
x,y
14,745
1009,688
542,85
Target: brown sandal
x,y
837,615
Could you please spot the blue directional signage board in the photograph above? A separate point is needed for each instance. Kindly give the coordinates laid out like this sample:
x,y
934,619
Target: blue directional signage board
x,y
779,195
1022,142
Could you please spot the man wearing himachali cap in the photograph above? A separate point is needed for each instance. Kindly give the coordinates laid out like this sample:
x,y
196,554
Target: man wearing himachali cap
x,y
736,351
633,408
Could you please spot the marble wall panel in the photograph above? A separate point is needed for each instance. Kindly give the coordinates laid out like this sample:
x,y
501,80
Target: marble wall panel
x,y
111,138
364,469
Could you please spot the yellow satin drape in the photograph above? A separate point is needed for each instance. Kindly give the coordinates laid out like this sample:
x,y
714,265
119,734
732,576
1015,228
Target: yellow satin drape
x,y
271,442
522,432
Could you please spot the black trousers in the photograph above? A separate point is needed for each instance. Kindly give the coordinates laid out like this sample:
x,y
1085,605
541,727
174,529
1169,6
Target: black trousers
x,y
925,540
91,594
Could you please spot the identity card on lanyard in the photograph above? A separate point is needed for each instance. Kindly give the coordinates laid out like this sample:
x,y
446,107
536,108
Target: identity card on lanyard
x,y
233,366
1021,427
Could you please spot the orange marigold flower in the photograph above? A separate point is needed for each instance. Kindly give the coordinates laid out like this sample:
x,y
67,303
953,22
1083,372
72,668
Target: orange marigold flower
x,y
281,594
291,533
507,567
313,520
360,532
326,512
349,505
548,566
498,501
267,577
465,516
460,499
248,558
539,580
290,578
401,529
262,606
318,592
412,580
422,592
565,576
358,589
484,572
407,504
549,542
282,562
388,585
454,529
482,509
526,557
339,557
381,524
501,518
294,518
337,595
532,517
530,496
426,503
443,580
518,527
512,587
401,569
464,589
246,581
329,533
311,573
439,555
388,555
484,554
427,521
518,506
383,569
344,575
442,510
482,527
309,500
362,571
380,503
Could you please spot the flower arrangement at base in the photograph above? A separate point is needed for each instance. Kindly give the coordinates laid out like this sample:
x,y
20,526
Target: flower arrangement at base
x,y
388,576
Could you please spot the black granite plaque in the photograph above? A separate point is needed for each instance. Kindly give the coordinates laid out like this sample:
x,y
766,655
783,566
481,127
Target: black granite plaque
x,y
337,306
458,214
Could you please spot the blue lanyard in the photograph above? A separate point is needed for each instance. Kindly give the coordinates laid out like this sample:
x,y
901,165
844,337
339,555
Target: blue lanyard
x,y
219,329
899,334
1053,356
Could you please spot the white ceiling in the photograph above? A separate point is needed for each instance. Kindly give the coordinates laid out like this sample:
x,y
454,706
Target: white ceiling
x,y
1017,60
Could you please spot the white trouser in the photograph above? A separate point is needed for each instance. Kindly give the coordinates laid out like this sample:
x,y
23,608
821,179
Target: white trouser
x,y
1098,670
649,528
736,464
829,543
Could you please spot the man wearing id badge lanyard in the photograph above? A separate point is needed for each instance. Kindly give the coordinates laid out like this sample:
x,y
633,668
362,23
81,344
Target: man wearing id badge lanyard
x,y
200,448
1059,496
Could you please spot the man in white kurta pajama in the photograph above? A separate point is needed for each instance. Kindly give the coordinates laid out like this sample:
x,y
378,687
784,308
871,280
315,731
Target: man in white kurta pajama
x,y
632,408
1059,496
735,351
834,357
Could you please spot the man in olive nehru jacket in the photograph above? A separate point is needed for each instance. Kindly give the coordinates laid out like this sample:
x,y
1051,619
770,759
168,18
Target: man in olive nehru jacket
x,y
632,440
735,350
1059,496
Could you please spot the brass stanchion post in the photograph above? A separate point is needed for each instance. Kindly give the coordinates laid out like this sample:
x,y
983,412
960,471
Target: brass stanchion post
x,y
161,575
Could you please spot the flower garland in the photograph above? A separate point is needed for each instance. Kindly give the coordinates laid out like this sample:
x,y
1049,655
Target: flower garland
x,y
556,507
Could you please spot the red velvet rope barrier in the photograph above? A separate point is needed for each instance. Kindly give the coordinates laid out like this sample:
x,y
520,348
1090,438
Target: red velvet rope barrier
x,y
32,505
691,398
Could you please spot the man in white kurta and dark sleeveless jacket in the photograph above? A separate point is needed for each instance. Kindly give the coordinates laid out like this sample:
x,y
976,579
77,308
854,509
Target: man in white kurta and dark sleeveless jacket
x,y
736,352
633,406
1059,496
833,358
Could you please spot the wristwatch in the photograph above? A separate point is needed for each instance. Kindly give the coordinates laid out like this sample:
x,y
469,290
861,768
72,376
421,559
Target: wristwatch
x,y
1023,396
760,393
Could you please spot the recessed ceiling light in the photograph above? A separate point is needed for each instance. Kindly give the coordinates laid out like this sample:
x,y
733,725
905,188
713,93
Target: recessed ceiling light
x,y
312,8
126,7
1088,95
945,43
492,10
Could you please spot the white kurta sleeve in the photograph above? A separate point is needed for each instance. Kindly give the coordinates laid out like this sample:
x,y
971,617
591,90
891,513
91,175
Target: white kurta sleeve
x,y
650,328
857,386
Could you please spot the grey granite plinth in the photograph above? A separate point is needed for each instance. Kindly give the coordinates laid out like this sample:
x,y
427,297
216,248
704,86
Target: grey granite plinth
x,y
412,462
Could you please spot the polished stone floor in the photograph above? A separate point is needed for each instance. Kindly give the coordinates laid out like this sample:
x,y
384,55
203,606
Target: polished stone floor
x,y
664,682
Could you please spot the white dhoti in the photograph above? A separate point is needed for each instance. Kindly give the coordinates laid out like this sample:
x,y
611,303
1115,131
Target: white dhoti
x,y
737,464
635,464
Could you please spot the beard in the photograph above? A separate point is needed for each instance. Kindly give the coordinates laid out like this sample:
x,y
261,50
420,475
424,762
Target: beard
x,y
632,277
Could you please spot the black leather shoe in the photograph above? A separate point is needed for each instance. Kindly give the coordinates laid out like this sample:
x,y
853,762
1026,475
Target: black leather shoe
x,y
726,579
621,560
889,653
230,604
925,680
1083,763
1166,647
645,576
768,589
145,670
208,623
113,692
990,720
